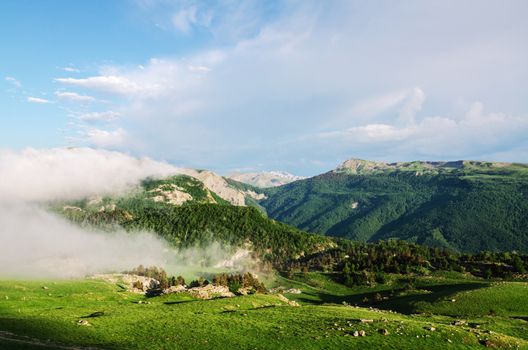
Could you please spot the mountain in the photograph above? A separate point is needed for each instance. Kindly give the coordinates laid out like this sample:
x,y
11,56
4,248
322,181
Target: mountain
x,y
223,188
265,179
186,212
465,206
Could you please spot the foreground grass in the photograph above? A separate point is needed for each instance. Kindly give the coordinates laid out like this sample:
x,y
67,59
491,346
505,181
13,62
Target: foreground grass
x,y
38,314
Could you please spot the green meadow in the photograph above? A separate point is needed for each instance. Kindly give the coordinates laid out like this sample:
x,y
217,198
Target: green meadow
x,y
438,312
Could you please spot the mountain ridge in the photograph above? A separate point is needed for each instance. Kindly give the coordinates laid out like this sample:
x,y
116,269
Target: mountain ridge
x,y
265,179
358,166
466,206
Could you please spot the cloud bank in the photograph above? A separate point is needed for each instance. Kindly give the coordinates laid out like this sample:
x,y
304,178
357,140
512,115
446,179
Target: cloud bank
x,y
38,244
36,175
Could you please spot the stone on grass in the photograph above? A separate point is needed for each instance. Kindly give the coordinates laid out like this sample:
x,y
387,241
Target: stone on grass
x,y
383,331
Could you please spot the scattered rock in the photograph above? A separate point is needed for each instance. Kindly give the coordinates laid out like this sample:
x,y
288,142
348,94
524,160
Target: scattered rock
x,y
459,323
364,320
245,291
132,283
431,328
362,333
83,323
45,288
288,301
355,334
383,331
210,291
293,291
171,194
175,289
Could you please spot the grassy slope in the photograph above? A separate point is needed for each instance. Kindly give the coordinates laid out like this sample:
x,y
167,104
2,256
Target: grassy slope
x,y
251,322
467,210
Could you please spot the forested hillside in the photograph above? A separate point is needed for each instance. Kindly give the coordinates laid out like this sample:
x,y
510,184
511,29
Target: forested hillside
x,y
463,206
185,213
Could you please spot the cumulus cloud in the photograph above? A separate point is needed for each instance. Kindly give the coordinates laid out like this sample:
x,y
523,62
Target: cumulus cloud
x,y
74,97
38,100
65,174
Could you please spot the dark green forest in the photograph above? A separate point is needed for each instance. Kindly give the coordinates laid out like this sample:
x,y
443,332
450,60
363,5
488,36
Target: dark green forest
x,y
202,224
356,263
466,210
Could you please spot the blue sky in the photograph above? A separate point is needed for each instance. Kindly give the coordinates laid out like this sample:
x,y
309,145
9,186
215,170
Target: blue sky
x,y
263,85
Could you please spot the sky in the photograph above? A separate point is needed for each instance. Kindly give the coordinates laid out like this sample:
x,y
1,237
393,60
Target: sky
x,y
251,86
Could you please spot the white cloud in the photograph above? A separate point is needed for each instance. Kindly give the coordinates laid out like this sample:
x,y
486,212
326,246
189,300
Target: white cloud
x,y
438,136
187,18
39,244
407,102
99,116
198,68
412,105
74,97
13,81
109,83
305,68
72,173
160,78
70,69
379,104
106,138
184,19
370,133
38,100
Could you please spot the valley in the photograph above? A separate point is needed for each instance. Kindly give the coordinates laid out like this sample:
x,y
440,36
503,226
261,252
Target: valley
x,y
317,292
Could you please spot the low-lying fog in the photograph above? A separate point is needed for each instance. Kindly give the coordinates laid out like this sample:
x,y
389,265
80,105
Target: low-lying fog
x,y
38,244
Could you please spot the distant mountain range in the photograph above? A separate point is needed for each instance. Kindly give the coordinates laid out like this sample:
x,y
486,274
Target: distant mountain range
x,y
465,206
265,179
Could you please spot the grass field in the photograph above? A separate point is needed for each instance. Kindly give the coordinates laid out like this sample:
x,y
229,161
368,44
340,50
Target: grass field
x,y
46,314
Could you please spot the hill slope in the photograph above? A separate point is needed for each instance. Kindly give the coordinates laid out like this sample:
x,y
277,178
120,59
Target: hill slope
x,y
185,212
463,205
